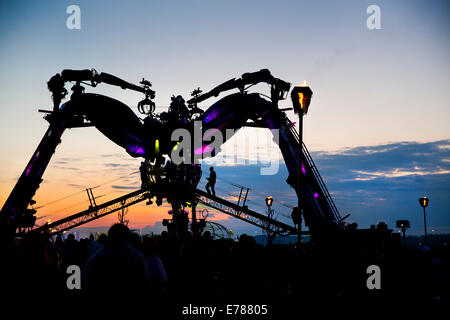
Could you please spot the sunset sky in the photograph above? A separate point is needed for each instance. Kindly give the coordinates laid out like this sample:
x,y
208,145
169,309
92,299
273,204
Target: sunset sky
x,y
378,125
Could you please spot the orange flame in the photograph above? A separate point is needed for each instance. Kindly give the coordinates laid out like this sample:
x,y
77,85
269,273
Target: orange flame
x,y
300,99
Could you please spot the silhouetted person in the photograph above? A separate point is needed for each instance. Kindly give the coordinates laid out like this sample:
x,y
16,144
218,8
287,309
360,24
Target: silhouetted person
x,y
157,272
72,251
211,181
98,244
144,175
117,267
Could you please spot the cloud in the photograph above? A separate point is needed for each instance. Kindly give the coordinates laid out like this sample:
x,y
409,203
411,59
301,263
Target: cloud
x,y
391,160
66,168
123,187
111,155
70,159
76,185
396,160
372,183
384,182
114,165
399,173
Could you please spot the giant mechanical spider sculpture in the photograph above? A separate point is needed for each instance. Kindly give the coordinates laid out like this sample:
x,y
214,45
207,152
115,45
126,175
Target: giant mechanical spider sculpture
x,y
152,138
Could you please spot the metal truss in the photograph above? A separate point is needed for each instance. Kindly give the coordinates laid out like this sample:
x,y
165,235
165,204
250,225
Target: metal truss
x,y
95,212
244,214
232,209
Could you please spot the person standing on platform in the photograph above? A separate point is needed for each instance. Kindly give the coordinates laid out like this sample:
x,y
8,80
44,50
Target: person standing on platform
x,y
211,182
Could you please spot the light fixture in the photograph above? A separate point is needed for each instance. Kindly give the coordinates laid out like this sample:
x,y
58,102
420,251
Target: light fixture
x,y
402,224
269,201
424,202
301,98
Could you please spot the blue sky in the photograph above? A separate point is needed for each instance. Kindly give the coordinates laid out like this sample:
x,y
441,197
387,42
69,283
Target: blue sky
x,y
380,96
372,184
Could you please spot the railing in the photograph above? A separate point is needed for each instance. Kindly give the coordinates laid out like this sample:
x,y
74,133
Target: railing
x,y
94,213
243,213
315,171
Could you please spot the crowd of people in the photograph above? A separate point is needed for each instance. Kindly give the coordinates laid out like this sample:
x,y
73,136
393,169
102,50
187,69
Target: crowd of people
x,y
169,268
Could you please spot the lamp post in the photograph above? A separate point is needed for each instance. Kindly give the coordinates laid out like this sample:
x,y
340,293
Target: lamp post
x,y
301,98
424,203
403,224
269,201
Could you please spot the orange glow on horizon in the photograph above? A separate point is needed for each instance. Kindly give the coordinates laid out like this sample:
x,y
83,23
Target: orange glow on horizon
x,y
63,195
140,215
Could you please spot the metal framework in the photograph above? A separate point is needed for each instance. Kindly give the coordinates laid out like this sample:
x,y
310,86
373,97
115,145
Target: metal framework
x,y
243,213
315,171
94,213
310,162
222,205
147,139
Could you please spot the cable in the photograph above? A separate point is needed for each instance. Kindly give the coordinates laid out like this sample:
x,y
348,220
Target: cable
x,y
253,202
84,190
76,204
60,199
68,207
113,180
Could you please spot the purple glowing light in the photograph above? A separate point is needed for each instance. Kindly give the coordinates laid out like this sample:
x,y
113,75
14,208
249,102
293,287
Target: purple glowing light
x,y
210,116
303,169
211,132
203,149
316,195
136,149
